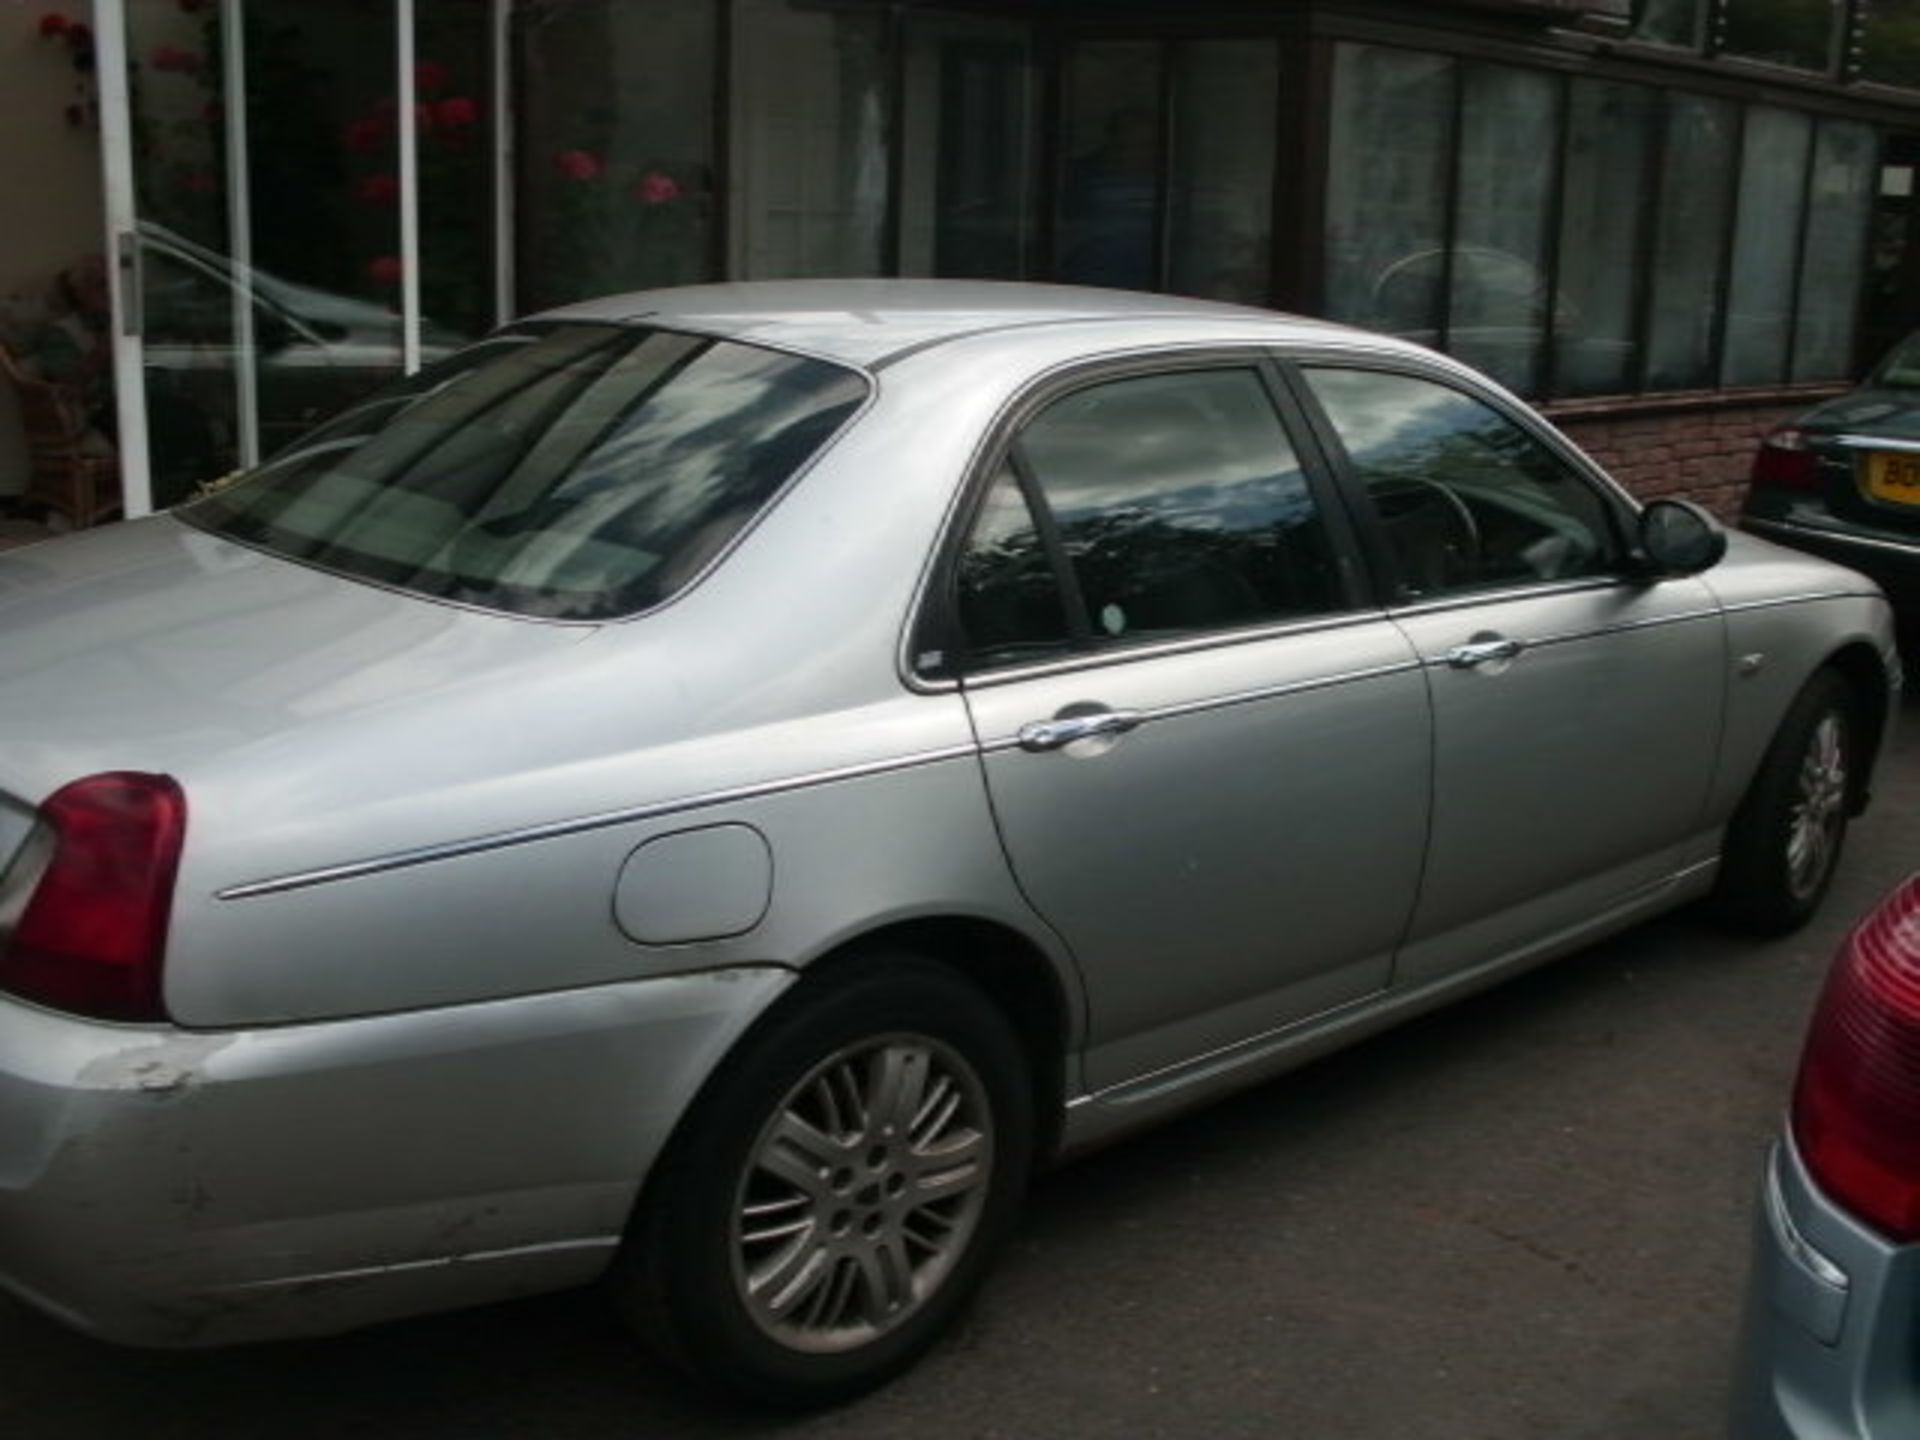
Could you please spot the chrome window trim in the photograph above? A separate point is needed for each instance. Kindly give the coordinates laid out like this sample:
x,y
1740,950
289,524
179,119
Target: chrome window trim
x,y
1151,714
1544,589
1154,650
1570,637
605,820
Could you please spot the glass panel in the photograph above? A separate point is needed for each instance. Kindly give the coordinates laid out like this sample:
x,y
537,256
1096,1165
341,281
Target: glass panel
x,y
1691,236
578,472
615,157
810,137
1387,188
1109,193
1890,43
320,131
1773,180
1841,199
190,299
1497,315
1783,32
1009,598
967,178
1609,138
1225,131
453,87
1466,497
1667,22
1181,504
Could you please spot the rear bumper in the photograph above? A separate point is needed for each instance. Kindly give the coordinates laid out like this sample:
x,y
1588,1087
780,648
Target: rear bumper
x,y
1891,562
1830,1340
166,1187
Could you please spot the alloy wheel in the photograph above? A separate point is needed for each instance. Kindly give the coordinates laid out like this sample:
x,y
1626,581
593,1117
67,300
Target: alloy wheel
x,y
1818,808
862,1192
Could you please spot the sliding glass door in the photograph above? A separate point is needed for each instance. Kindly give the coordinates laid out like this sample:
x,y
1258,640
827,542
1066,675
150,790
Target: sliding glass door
x,y
301,205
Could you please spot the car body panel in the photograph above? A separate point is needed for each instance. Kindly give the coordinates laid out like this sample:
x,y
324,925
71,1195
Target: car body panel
x,y
1264,775
1831,1325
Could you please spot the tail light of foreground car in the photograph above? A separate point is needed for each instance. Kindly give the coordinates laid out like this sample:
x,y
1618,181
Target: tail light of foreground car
x,y
1785,460
1856,1108
92,935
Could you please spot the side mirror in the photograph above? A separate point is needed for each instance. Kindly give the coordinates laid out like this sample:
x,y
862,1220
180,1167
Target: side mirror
x,y
1678,537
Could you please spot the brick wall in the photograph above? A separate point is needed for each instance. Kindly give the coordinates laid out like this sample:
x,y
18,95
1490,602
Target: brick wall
x,y
1701,454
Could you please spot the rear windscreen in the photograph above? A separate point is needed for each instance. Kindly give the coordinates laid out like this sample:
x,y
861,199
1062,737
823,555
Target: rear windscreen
x,y
573,471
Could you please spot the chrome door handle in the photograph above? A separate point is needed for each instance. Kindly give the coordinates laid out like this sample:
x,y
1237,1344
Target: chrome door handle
x,y
1479,652
1038,735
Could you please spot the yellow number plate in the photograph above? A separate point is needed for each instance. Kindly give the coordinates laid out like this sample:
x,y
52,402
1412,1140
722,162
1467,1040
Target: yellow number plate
x,y
1894,477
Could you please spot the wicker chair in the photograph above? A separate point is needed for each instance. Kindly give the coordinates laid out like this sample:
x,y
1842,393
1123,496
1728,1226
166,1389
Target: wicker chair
x,y
64,472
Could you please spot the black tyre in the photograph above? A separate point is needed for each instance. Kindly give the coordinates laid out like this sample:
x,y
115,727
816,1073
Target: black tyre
x,y
835,1196
1784,840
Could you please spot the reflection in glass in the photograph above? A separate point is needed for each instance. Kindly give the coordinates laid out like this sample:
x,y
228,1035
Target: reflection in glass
x,y
1890,42
1840,201
1386,188
968,131
1687,252
1668,22
810,157
1180,504
1465,497
1773,178
1109,190
615,146
1610,130
1497,310
1009,599
1225,127
1799,33
573,472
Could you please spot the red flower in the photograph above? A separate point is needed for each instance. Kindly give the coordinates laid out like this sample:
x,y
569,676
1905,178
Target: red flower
x,y
578,164
429,77
200,183
172,57
656,189
384,270
52,25
455,111
366,135
380,189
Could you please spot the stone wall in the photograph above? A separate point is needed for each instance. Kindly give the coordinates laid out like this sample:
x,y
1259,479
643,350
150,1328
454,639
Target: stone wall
x,y
1701,451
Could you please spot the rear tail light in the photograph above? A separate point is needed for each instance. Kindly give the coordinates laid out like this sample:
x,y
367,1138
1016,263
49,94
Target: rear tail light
x,y
1786,460
93,933
1856,1109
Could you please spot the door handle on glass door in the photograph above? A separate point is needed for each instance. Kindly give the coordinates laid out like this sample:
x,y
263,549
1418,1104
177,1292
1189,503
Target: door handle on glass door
x,y
1054,734
1480,650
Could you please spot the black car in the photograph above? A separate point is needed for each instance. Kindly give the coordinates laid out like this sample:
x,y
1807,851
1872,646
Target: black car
x,y
1843,480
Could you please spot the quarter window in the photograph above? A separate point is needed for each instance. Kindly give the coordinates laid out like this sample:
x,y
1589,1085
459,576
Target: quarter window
x,y
1180,505
1009,599
1466,498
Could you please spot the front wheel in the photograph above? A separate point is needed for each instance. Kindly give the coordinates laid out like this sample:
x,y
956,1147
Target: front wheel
x,y
833,1199
1784,841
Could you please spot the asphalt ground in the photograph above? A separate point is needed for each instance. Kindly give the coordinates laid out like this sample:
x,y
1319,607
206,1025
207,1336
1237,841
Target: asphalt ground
x,y
1525,1216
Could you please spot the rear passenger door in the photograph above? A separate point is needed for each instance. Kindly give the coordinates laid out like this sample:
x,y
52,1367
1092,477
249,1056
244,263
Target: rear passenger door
x,y
1576,702
1208,757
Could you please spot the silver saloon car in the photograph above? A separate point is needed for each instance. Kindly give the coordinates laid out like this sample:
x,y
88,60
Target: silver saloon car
x,y
707,789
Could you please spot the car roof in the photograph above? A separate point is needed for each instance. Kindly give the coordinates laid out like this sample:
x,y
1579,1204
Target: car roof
x,y
870,322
